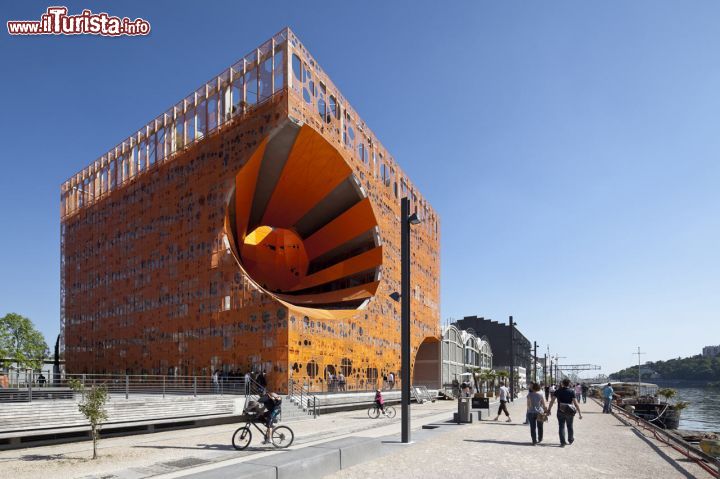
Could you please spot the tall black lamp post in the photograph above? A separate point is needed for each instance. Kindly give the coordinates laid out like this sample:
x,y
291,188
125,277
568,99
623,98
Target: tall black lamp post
x,y
512,359
406,220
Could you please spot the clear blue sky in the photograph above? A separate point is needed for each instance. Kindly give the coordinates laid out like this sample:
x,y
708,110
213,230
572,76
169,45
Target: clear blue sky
x,y
571,148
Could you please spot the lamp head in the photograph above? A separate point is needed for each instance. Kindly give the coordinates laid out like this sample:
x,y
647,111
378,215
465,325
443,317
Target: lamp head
x,y
395,296
414,219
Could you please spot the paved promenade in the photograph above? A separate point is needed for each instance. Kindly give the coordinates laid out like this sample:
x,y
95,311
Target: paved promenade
x,y
171,452
603,448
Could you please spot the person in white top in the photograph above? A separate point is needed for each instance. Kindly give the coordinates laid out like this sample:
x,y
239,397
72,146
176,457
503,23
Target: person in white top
x,y
504,395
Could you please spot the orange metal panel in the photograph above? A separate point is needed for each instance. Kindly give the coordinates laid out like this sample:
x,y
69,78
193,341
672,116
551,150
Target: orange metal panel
x,y
245,182
300,188
356,264
347,294
345,227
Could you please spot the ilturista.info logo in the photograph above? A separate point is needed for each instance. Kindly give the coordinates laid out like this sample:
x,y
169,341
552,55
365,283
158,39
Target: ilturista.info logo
x,y
56,21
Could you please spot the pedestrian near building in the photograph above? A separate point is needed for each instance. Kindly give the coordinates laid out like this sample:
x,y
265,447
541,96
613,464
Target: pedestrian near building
x,y
567,408
578,392
262,382
584,388
391,380
504,397
536,410
216,381
341,381
608,394
248,381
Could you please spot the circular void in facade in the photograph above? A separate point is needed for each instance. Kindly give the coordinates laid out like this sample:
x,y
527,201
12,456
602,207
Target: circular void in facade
x,y
274,257
300,225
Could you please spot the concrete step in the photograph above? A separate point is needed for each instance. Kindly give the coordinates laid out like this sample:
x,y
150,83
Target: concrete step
x,y
56,414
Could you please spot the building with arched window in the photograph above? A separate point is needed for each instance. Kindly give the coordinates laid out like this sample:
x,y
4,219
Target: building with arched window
x,y
463,352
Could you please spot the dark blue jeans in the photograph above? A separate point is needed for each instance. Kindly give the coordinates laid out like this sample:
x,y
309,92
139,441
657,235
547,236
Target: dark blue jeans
x,y
564,420
607,405
536,427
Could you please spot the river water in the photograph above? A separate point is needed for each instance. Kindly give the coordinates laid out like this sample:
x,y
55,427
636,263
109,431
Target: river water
x,y
703,413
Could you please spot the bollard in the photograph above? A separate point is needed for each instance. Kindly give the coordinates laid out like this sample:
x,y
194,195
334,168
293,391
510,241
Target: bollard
x,y
194,386
32,373
127,387
163,387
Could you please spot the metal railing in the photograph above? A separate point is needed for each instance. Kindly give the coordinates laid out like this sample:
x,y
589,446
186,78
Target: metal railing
x,y
709,463
27,388
349,385
300,394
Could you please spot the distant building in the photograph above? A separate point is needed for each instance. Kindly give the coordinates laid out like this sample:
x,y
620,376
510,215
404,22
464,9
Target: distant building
x,y
711,351
498,334
462,353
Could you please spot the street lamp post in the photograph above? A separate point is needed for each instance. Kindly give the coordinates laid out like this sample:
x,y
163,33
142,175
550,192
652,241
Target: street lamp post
x,y
406,220
512,359
535,363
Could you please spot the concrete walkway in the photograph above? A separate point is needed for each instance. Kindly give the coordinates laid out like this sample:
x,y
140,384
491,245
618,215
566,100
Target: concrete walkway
x,y
180,452
603,447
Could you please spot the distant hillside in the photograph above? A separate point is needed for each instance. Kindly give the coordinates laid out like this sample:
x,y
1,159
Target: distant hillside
x,y
692,368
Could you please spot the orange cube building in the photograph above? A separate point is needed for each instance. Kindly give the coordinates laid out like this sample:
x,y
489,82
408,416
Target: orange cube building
x,y
255,224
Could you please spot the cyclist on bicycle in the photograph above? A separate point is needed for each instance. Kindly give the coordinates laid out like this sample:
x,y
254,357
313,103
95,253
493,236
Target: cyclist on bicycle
x,y
379,401
272,403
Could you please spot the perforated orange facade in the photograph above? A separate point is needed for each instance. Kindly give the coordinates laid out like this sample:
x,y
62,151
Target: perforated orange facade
x,y
256,224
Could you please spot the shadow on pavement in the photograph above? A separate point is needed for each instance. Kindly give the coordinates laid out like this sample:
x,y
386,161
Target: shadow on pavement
x,y
49,457
207,447
503,423
507,443
673,462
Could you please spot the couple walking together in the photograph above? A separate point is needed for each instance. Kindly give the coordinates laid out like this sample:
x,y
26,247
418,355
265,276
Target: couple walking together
x,y
538,411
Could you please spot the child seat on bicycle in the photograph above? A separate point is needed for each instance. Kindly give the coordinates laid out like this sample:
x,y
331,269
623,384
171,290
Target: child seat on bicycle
x,y
272,403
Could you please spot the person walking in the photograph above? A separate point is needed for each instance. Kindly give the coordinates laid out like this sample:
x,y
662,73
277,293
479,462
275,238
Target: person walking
x,y
547,392
262,382
216,381
341,381
578,392
391,380
504,396
536,406
247,381
584,388
567,407
608,394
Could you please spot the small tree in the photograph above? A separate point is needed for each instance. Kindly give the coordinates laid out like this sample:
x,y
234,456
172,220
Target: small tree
x,y
667,393
92,406
20,342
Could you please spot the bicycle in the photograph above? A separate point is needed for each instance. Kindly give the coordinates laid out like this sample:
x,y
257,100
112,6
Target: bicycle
x,y
282,436
374,411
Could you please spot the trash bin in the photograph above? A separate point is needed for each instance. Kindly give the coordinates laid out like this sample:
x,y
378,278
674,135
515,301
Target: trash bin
x,y
463,414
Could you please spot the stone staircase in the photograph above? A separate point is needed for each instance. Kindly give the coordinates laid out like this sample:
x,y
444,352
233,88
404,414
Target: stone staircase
x,y
54,421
